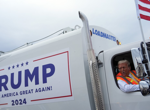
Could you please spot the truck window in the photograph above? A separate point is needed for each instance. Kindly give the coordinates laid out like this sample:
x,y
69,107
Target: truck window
x,y
118,57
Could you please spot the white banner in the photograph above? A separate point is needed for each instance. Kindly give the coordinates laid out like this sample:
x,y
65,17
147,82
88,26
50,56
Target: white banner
x,y
43,79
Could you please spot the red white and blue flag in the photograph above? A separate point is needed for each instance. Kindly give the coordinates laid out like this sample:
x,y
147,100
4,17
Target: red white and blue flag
x,y
143,9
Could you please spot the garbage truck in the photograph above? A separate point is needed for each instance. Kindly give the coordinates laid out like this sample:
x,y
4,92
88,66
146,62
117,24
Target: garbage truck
x,y
73,71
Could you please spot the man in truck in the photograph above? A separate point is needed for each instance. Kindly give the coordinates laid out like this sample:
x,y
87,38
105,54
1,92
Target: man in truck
x,y
126,78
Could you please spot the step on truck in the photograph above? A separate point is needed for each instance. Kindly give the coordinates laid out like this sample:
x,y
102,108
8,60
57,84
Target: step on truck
x,y
73,71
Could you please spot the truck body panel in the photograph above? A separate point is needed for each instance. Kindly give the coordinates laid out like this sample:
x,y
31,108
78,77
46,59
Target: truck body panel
x,y
80,95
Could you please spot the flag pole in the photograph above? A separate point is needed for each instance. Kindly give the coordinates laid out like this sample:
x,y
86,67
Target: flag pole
x,y
144,44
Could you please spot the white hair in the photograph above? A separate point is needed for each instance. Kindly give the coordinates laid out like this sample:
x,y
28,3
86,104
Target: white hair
x,y
124,61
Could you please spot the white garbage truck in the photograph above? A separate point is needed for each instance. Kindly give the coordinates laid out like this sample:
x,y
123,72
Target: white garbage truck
x,y
73,71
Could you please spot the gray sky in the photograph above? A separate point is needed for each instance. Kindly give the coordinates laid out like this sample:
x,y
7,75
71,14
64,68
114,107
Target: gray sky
x,y
23,21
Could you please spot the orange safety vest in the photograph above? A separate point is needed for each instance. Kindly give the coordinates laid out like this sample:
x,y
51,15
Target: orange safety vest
x,y
129,80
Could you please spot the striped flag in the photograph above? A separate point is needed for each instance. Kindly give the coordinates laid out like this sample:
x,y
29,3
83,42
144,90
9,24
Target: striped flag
x,y
143,9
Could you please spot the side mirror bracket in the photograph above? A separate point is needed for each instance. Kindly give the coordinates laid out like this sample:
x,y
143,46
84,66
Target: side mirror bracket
x,y
138,62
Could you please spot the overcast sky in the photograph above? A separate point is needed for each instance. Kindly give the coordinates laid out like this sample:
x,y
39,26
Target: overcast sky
x,y
23,21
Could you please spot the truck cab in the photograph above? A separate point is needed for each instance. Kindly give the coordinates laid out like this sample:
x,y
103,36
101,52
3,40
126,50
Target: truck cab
x,y
119,100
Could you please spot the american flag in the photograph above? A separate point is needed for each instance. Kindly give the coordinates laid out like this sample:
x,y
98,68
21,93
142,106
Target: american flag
x,y
143,9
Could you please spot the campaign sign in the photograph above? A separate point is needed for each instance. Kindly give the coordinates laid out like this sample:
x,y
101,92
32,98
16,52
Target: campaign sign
x,y
43,79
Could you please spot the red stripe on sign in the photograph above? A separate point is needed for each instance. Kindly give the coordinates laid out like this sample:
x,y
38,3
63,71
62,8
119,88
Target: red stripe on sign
x,y
4,104
69,73
1,69
145,17
50,98
145,1
48,56
144,8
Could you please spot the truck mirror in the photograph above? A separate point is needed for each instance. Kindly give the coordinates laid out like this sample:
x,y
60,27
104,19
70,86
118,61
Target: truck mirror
x,y
137,61
144,87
